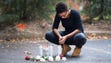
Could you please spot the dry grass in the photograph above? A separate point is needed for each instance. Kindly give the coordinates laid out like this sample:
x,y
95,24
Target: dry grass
x,y
36,31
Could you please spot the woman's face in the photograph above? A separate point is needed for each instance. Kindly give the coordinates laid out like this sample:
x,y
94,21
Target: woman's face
x,y
63,14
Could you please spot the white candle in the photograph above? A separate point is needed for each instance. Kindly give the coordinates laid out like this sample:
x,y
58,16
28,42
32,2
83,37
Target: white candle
x,y
59,50
46,51
40,50
51,50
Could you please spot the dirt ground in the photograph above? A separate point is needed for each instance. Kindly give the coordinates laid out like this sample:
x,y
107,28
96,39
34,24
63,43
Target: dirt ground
x,y
36,31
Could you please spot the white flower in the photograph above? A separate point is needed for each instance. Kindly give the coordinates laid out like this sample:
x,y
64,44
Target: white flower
x,y
64,58
45,57
42,59
31,58
37,57
51,58
57,58
27,52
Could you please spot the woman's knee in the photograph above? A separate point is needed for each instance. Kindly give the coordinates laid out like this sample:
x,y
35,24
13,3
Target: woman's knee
x,y
48,35
80,39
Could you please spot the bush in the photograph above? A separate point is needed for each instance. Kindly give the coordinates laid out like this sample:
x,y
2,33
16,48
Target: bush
x,y
16,10
100,9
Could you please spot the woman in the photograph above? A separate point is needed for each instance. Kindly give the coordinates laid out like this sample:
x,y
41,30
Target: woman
x,y
73,33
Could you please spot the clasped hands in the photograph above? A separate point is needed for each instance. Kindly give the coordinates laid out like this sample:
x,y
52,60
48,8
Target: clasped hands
x,y
62,39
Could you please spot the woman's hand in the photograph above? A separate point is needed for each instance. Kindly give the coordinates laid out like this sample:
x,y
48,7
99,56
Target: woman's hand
x,y
63,39
60,38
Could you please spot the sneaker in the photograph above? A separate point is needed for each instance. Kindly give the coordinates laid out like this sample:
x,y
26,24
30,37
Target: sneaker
x,y
65,49
76,52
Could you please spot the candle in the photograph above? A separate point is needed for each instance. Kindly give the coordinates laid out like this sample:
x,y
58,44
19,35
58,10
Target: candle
x,y
40,50
51,50
45,50
59,50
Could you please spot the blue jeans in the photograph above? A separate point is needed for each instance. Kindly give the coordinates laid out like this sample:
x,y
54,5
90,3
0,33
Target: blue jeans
x,y
78,40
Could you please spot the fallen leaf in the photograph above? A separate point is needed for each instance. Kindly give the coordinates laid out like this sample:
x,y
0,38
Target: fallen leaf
x,y
104,37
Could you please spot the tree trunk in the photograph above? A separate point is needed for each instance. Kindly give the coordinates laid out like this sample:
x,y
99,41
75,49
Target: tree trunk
x,y
24,16
101,17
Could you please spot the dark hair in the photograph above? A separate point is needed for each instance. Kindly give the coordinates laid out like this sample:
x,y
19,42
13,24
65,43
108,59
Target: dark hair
x,y
61,7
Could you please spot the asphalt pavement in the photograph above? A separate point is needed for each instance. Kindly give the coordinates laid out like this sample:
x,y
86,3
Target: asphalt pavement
x,y
94,51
